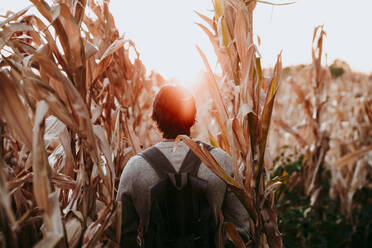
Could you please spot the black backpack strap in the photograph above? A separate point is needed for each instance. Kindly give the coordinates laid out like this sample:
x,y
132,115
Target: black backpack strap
x,y
191,163
158,161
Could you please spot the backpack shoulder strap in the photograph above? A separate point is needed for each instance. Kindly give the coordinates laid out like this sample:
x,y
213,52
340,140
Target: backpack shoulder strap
x,y
191,163
158,161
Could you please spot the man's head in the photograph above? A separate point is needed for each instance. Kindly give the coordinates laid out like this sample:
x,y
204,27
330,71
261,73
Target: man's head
x,y
174,111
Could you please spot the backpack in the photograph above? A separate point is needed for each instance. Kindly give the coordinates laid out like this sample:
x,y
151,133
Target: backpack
x,y
180,214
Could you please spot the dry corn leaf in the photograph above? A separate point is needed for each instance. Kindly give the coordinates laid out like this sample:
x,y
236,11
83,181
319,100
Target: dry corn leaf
x,y
7,218
106,58
78,106
80,6
290,130
133,138
105,148
74,228
233,235
40,163
14,112
15,16
351,157
207,159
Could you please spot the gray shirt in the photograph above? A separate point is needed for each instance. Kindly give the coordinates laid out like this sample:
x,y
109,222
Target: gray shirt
x,y
138,176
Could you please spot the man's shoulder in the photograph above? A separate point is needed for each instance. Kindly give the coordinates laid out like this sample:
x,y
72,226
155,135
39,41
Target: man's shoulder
x,y
219,151
134,164
139,163
221,156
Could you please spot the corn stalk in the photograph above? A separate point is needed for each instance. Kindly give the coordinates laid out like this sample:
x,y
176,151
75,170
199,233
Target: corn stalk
x,y
244,122
328,112
73,103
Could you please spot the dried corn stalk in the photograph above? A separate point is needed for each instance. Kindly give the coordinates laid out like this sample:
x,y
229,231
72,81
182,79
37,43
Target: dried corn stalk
x,y
73,104
242,109
328,119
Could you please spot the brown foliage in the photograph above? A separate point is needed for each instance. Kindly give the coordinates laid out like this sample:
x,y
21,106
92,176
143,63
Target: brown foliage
x,y
73,104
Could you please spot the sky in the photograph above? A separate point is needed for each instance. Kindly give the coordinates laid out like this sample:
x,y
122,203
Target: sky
x,y
165,32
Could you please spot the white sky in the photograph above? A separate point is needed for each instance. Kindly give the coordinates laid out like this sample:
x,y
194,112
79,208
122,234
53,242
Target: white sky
x,y
165,33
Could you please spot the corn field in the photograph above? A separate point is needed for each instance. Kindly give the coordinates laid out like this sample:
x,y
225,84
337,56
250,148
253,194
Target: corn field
x,y
75,106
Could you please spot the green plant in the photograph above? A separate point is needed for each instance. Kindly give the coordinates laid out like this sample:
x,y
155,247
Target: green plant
x,y
324,224
336,71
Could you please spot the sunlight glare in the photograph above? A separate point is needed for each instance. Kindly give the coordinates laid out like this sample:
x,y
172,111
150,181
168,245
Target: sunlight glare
x,y
189,84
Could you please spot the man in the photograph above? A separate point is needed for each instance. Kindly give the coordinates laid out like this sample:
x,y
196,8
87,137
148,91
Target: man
x,y
174,112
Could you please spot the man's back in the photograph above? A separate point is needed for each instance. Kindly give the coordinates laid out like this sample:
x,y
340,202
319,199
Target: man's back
x,y
138,177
